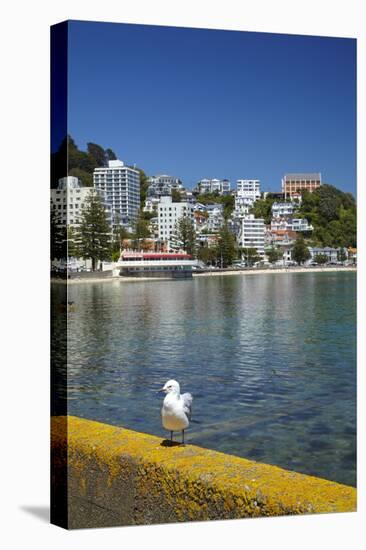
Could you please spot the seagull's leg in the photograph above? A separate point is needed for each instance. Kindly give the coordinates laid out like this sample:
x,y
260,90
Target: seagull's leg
x,y
171,435
183,437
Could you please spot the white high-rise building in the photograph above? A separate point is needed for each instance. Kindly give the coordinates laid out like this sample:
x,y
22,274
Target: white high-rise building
x,y
251,233
169,213
68,200
121,185
247,192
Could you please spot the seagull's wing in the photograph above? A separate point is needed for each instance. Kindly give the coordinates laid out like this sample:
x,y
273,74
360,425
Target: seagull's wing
x,y
187,404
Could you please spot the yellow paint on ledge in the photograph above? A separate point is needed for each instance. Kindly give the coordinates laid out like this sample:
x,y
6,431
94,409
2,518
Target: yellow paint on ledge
x,y
182,483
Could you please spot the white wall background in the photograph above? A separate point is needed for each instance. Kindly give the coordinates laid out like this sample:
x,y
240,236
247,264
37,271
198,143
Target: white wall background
x,y
25,304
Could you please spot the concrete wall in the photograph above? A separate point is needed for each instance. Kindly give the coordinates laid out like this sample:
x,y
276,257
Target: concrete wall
x,y
120,477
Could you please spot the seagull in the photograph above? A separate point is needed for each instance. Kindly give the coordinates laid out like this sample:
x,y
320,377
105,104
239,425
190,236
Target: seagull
x,y
176,410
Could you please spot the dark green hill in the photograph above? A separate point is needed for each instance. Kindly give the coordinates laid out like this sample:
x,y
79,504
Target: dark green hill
x,y
70,160
333,214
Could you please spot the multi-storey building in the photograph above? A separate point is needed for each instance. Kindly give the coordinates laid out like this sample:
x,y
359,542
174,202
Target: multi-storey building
x,y
291,224
121,187
292,183
251,233
162,185
213,185
68,200
280,209
169,213
247,192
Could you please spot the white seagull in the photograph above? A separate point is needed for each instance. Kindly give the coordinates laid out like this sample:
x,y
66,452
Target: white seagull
x,y
177,409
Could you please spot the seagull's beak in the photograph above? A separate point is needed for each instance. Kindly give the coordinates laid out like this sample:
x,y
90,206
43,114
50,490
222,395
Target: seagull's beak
x,y
161,389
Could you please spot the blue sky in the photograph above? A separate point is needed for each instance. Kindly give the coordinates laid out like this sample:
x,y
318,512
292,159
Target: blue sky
x,y
199,103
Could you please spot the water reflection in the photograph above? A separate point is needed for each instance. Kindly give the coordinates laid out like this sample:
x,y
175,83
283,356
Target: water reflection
x,y
270,360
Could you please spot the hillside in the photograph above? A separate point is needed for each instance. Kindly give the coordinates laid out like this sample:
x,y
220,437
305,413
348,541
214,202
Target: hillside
x,y
333,214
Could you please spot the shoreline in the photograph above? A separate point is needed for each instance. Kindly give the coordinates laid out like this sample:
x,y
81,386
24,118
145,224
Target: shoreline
x,y
213,273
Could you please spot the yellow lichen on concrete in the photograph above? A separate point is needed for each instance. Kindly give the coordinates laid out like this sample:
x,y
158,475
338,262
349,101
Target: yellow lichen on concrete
x,y
180,483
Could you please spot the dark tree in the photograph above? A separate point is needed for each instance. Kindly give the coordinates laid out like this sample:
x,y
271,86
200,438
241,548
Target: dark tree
x,y
300,252
58,244
110,155
251,256
226,250
185,235
94,231
273,255
97,153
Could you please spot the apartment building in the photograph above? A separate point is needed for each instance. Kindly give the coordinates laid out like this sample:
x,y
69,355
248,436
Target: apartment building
x,y
169,213
120,185
293,183
213,185
68,200
163,184
251,233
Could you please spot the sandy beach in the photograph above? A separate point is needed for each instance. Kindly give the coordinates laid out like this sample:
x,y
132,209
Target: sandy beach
x,y
213,273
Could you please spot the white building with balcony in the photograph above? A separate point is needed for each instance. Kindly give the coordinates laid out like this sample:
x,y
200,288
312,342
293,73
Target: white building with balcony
x,y
251,233
290,224
169,213
120,185
163,184
280,209
213,185
68,201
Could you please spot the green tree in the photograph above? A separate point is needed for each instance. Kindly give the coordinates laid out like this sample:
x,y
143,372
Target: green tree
x,y
73,242
321,259
185,235
250,256
176,195
141,232
207,255
97,153
119,234
110,155
273,255
94,231
58,246
85,179
341,255
144,185
226,249
300,252
333,214
262,208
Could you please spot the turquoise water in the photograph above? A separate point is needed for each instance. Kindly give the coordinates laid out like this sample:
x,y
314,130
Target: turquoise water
x,y
270,360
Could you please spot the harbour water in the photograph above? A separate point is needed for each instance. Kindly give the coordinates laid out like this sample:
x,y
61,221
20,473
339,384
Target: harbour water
x,y
270,360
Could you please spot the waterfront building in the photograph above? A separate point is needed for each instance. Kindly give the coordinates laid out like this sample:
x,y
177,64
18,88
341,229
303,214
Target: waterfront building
x,y
330,253
120,185
162,185
68,201
251,233
293,183
213,185
156,264
169,213
284,241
